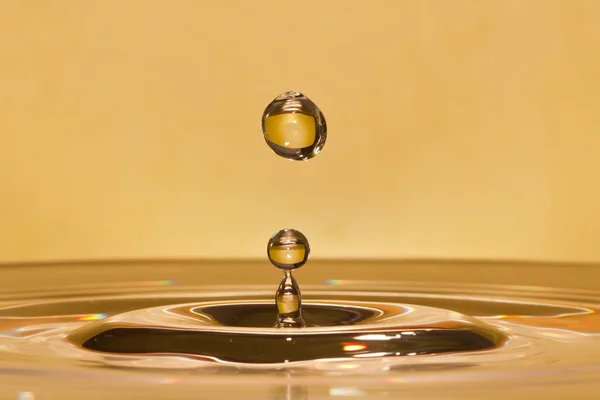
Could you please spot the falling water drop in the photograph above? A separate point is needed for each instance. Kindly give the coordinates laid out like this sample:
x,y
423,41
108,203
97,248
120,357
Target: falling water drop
x,y
294,127
288,249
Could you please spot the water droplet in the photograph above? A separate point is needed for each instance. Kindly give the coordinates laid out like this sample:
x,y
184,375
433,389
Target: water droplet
x,y
288,249
294,127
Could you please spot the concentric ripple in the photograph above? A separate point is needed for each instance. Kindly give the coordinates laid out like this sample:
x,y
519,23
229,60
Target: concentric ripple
x,y
242,332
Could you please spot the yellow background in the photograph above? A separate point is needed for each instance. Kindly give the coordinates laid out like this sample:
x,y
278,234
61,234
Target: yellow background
x,y
456,128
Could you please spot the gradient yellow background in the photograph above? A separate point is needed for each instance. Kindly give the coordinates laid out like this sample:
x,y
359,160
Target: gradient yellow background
x,y
456,128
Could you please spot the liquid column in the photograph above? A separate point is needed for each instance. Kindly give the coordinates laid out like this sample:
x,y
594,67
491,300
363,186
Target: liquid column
x,y
289,303
288,250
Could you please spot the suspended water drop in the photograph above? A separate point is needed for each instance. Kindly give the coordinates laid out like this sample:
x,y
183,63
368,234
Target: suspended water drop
x,y
288,249
294,127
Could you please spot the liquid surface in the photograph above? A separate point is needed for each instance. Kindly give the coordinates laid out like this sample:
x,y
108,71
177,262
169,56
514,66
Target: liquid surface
x,y
374,339
336,330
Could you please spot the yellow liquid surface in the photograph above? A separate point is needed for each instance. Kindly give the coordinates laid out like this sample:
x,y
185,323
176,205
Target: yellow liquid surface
x,y
288,254
291,130
287,303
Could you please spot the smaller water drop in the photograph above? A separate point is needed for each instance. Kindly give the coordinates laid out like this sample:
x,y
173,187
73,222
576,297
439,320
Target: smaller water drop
x,y
294,127
288,249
